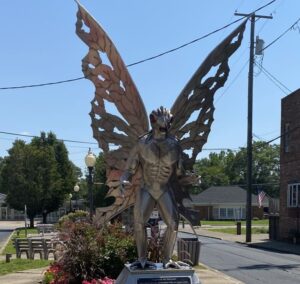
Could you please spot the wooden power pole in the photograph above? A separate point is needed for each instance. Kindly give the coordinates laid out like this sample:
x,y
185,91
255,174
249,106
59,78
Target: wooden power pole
x,y
250,118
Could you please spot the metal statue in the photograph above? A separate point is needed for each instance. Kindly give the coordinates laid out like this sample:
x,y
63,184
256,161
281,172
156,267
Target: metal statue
x,y
149,167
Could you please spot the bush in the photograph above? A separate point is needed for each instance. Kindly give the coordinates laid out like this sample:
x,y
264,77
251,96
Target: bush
x,y
78,215
89,253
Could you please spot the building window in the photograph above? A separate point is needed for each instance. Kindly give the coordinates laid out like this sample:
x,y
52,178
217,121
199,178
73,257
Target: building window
x,y
222,213
216,213
286,140
293,195
230,213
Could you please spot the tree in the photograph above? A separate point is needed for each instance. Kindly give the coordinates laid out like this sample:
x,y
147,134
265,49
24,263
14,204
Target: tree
x,y
2,189
226,168
266,168
100,189
39,175
212,171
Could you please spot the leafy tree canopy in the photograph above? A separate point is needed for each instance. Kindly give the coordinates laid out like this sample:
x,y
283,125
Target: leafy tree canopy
x,y
38,174
230,168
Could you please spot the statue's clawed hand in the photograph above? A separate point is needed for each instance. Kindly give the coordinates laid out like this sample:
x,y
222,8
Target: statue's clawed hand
x,y
125,184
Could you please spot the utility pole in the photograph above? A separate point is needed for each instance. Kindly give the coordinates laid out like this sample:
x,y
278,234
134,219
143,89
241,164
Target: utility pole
x,y
252,17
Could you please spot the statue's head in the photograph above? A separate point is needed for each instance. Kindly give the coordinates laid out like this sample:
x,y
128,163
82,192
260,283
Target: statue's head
x,y
161,119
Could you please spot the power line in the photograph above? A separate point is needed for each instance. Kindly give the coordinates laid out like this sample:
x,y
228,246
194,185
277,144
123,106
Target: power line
x,y
219,149
144,60
273,77
233,81
282,135
276,82
34,136
273,12
84,142
42,84
285,32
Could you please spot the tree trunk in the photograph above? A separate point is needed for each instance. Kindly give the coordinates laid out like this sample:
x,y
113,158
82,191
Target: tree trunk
x,y
45,217
31,222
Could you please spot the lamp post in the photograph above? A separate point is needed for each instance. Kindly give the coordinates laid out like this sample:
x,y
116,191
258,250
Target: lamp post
x,y
70,197
90,161
76,189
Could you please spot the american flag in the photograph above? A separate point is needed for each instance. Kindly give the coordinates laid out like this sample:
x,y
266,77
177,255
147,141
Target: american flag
x,y
260,197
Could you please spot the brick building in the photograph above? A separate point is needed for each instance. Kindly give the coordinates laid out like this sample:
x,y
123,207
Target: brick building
x,y
289,220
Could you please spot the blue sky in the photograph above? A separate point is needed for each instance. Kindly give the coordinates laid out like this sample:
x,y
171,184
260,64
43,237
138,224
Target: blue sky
x,y
39,45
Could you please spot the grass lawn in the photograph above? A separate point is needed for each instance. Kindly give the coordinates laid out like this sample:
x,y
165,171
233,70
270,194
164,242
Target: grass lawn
x,y
9,247
22,264
232,231
264,222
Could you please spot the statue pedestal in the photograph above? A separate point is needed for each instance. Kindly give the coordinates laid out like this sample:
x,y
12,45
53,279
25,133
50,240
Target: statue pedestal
x,y
157,276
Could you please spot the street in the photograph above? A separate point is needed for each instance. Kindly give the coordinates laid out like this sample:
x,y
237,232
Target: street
x,y
250,265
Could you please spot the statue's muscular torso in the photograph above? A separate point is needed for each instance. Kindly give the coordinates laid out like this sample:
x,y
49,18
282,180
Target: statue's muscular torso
x,y
159,159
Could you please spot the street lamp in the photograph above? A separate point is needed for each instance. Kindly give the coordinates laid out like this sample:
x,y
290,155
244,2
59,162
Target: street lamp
x,y
90,161
76,189
70,197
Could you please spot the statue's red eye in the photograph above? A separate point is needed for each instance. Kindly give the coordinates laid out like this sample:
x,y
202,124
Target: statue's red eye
x,y
152,118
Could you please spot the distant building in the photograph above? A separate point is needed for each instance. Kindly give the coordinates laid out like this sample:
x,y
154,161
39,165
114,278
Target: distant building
x,y
226,202
289,219
7,213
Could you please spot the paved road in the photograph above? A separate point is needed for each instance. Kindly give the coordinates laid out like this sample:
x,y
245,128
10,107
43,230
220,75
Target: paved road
x,y
3,237
250,265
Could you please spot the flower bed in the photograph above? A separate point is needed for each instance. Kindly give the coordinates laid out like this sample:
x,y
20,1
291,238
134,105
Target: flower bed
x,y
89,255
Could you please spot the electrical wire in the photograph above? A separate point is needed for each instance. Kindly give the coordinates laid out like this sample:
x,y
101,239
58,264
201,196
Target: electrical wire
x,y
280,36
34,136
42,84
275,81
282,135
233,81
147,59
273,77
93,143
266,21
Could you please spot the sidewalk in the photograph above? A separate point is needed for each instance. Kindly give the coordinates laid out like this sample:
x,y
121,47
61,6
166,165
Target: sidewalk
x,y
32,276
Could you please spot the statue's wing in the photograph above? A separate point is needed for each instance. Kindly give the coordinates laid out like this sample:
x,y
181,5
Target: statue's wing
x,y
193,109
116,134
115,89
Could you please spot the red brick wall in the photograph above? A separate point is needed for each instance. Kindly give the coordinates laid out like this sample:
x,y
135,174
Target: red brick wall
x,y
289,161
206,212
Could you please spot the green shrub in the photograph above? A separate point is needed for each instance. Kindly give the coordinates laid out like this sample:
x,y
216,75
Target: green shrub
x,y
74,217
89,253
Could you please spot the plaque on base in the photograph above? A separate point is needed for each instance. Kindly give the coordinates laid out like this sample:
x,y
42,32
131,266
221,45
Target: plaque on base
x,y
157,276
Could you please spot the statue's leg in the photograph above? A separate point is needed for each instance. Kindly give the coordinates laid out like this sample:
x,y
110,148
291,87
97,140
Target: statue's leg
x,y
168,210
142,210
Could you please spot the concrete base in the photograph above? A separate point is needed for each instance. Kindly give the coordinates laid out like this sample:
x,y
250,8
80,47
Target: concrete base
x,y
157,276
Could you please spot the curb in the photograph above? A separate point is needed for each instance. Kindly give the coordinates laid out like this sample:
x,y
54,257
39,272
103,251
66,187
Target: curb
x,y
273,249
217,238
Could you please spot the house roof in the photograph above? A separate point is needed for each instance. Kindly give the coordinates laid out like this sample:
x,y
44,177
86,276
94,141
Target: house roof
x,y
224,195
